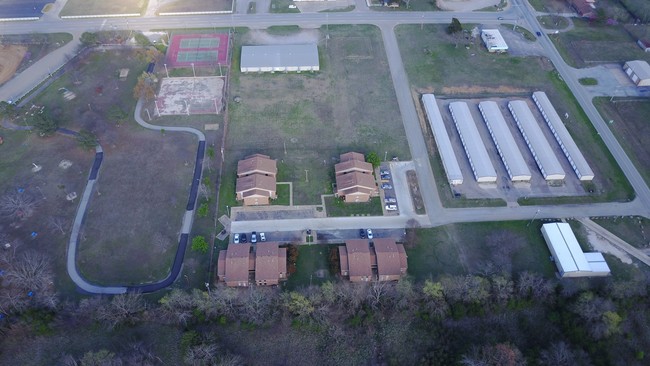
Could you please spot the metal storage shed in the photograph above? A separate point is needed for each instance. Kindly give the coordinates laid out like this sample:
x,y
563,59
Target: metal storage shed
x,y
568,256
546,160
493,40
638,71
505,143
562,136
296,57
449,162
475,150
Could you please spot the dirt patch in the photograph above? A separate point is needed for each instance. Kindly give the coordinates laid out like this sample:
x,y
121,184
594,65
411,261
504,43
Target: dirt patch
x,y
416,196
304,36
601,244
10,58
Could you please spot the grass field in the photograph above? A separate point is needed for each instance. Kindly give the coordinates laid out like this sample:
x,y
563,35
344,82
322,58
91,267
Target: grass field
x,y
306,120
461,249
312,258
99,7
195,5
589,44
631,128
553,21
588,81
632,229
335,207
434,65
131,228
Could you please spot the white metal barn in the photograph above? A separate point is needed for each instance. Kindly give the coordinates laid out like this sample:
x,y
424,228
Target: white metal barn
x,y
546,160
449,161
568,145
477,155
638,71
493,40
284,57
567,254
505,143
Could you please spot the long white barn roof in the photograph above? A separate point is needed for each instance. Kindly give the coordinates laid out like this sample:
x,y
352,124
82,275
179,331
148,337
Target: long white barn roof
x,y
472,142
449,161
568,145
505,143
565,247
537,144
279,56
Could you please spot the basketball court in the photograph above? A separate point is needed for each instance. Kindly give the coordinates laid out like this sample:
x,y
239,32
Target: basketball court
x,y
190,95
198,49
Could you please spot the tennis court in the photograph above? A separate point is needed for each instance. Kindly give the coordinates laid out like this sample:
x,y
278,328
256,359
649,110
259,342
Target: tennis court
x,y
196,56
199,43
196,50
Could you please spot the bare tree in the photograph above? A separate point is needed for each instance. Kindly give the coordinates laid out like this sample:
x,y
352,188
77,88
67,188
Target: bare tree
x,y
534,286
558,354
18,205
501,354
125,308
376,293
467,289
257,305
31,272
204,191
160,242
502,289
203,354
57,224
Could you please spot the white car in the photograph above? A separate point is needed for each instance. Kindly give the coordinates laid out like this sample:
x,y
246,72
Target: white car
x,y
235,239
254,237
262,237
369,233
391,207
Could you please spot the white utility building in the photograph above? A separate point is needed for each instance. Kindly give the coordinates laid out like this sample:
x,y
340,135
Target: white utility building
x,y
567,254
493,40
284,57
505,143
562,136
477,155
638,71
546,160
446,150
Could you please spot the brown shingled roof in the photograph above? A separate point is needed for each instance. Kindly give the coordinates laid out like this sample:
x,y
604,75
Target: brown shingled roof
x,y
388,257
358,257
262,184
257,163
352,156
352,166
237,263
355,180
266,262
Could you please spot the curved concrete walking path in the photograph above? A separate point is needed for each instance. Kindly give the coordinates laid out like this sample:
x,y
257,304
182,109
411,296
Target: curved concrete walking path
x,y
186,226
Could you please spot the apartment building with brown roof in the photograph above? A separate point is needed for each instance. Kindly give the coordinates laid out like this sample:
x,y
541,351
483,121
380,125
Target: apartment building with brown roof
x,y
354,179
382,259
270,263
257,164
256,180
265,265
234,265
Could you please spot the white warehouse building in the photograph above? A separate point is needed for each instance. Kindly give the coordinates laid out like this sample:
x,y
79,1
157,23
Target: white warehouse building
x,y
477,155
562,136
283,58
494,41
539,147
446,150
638,71
505,143
569,258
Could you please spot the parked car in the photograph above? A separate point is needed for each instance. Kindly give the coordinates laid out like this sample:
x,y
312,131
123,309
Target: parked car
x,y
253,237
235,239
384,172
390,200
243,238
262,237
500,18
385,176
386,186
369,233
539,34
391,207
362,233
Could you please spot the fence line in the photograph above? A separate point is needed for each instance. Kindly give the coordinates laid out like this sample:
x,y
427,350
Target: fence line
x,y
101,16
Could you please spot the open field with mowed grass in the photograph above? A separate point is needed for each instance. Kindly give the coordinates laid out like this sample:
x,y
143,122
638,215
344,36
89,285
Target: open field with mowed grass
x,y
100,7
312,266
306,120
434,64
631,128
635,230
131,229
463,249
590,44
48,187
195,5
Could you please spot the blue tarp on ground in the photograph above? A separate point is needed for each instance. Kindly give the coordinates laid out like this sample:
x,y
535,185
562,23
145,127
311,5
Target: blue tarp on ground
x,y
22,8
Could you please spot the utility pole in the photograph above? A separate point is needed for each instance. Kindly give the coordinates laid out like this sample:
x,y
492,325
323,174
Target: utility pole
x,y
307,175
166,71
534,217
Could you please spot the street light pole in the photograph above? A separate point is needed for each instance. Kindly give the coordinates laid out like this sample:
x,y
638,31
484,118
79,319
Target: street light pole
x,y
534,217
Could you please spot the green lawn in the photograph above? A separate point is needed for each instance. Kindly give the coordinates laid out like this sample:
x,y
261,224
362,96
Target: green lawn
x,y
461,248
588,81
632,229
553,21
98,7
282,6
196,5
337,208
311,259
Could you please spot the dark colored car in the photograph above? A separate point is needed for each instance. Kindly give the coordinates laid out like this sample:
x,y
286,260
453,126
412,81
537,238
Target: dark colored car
x,y
539,34
243,238
362,233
